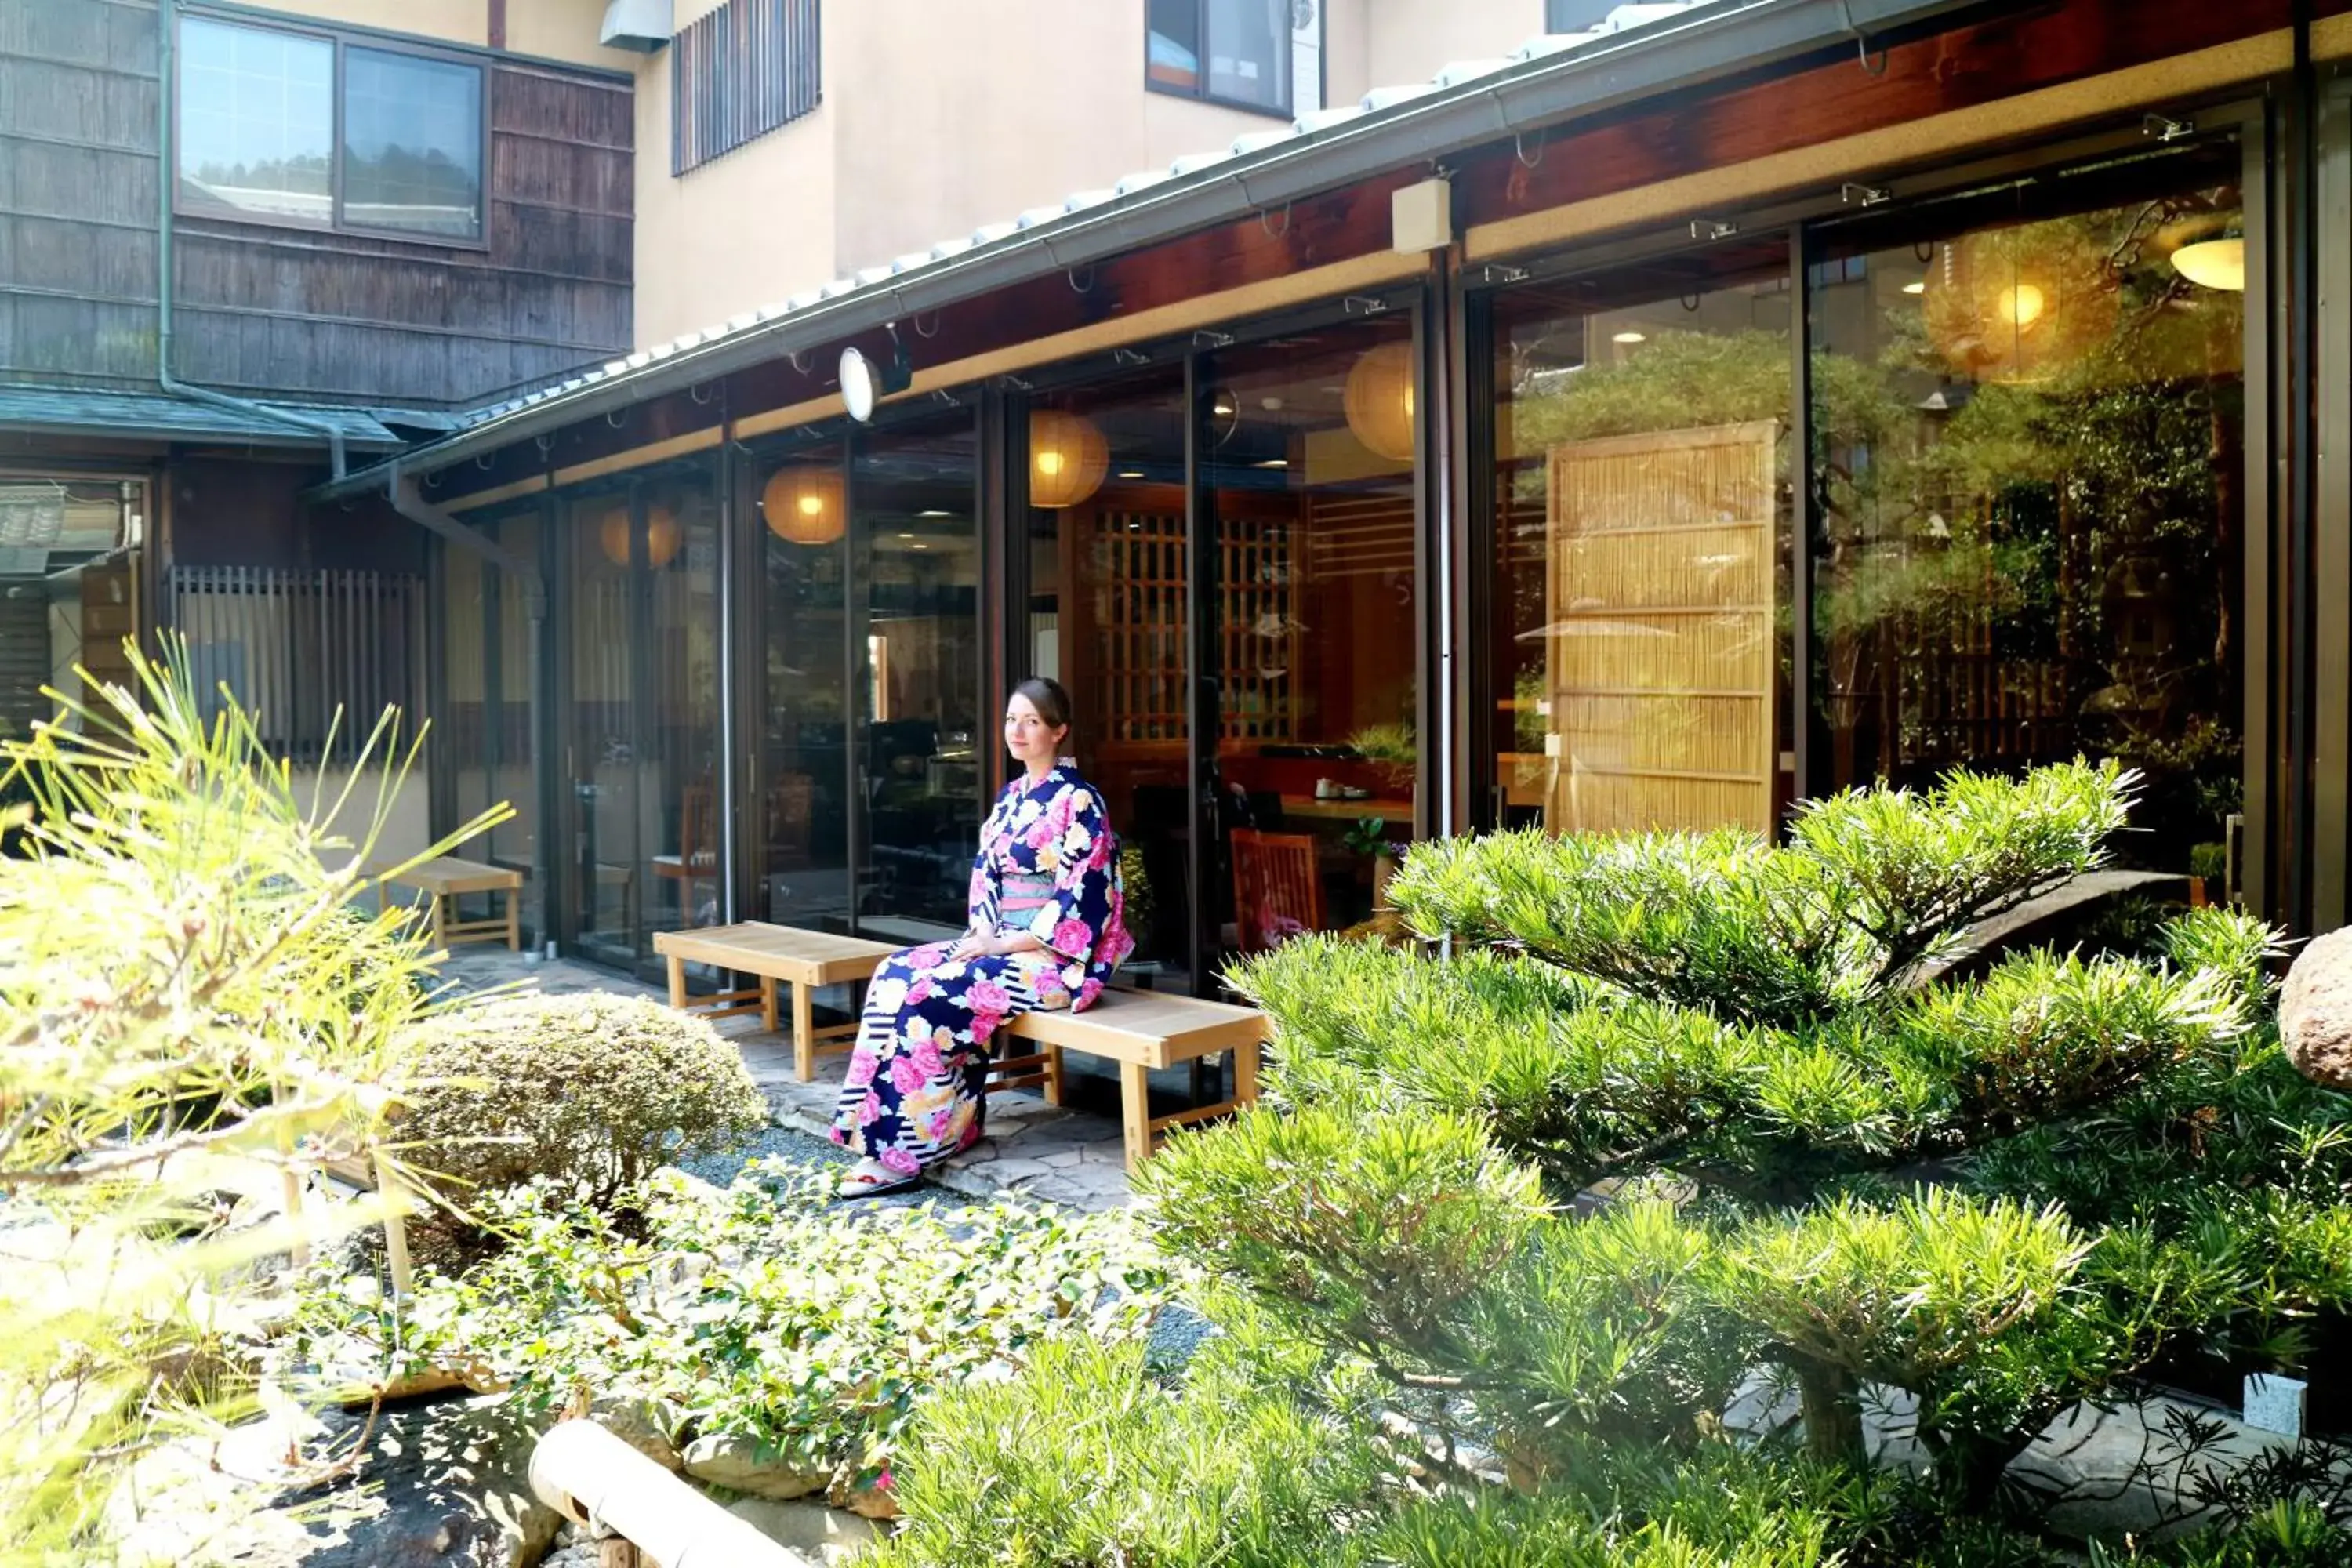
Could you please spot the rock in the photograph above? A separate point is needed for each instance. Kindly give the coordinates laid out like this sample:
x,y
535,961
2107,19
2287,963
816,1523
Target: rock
x,y
645,1424
2130,1467
819,1533
444,1486
746,1465
2316,1011
878,1501
1767,1403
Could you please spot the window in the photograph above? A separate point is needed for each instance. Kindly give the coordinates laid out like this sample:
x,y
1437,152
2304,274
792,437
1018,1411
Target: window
x,y
1575,15
745,69
1265,55
263,113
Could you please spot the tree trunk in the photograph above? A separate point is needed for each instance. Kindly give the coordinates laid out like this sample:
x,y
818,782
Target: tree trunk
x,y
1833,1411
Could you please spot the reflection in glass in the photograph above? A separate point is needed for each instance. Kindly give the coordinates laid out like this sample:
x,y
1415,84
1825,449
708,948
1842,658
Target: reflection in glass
x,y
412,143
1106,609
2031,444
917,676
1642,445
1309,455
803,762
256,120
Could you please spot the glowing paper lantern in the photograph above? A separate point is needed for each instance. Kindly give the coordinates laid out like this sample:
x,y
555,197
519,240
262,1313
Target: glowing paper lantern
x,y
663,535
2213,264
1069,459
1378,399
2017,304
803,505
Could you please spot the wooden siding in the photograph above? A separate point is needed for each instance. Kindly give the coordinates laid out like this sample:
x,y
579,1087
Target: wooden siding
x,y
747,68
269,310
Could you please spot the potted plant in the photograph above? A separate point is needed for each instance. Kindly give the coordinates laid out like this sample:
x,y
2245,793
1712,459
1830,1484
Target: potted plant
x,y
1369,836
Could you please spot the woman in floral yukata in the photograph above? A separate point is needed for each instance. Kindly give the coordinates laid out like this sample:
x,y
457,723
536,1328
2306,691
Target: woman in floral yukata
x,y
1046,929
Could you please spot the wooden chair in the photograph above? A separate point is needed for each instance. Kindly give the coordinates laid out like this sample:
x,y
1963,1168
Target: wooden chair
x,y
697,860
1277,893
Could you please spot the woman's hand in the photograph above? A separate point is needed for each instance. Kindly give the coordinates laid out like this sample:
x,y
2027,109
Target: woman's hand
x,y
974,945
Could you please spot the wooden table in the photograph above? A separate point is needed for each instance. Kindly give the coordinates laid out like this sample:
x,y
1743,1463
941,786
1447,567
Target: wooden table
x,y
443,880
1398,813
803,960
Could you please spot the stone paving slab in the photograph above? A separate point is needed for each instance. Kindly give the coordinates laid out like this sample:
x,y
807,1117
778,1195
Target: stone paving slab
x,y
1072,1157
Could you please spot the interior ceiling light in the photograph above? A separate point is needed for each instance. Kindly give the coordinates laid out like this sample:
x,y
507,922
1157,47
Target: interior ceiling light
x,y
1069,459
1630,337
1275,463
1916,286
803,505
1131,473
1378,400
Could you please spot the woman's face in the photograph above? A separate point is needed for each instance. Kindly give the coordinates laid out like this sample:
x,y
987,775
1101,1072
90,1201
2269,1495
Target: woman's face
x,y
1027,735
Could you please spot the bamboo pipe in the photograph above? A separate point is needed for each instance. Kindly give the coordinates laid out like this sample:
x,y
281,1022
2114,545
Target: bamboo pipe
x,y
587,1475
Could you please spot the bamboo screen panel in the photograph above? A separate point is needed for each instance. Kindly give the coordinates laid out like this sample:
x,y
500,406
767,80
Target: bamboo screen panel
x,y
1660,630
740,72
1139,632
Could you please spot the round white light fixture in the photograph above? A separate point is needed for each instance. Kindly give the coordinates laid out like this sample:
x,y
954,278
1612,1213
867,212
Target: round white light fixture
x,y
2213,264
864,382
1630,338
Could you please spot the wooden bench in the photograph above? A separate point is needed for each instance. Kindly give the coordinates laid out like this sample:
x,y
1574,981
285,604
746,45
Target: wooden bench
x,y
777,955
1140,1030
443,880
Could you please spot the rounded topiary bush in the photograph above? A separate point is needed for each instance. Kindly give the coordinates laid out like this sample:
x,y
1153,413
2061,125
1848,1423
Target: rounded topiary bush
x,y
594,1090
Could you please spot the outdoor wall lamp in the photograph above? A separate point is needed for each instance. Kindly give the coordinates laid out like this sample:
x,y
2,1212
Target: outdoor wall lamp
x,y
865,383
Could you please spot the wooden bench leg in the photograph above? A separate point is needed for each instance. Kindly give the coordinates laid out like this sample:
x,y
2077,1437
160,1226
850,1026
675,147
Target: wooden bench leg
x,y
804,1034
768,1003
1051,1088
678,982
437,922
514,920
1135,1111
1245,1073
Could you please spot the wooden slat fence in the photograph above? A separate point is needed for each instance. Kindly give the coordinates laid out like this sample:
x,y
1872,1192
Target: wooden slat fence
x,y
294,646
739,73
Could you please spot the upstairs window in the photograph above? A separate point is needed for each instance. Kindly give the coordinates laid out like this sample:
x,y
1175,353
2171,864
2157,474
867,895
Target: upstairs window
x,y
309,128
1262,55
1576,16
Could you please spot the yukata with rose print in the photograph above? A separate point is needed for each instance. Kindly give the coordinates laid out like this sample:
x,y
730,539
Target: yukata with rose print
x,y
1047,869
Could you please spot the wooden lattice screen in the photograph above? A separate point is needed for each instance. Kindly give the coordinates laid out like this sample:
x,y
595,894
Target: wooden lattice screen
x,y
1139,631
1660,630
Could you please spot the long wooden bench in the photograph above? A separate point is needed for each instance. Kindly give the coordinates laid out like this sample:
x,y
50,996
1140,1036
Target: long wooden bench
x,y
442,881
1140,1030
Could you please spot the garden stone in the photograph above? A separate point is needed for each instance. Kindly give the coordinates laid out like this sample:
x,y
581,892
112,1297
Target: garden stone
x,y
2316,1011
2118,1469
747,1465
867,1501
822,1534
444,1486
642,1424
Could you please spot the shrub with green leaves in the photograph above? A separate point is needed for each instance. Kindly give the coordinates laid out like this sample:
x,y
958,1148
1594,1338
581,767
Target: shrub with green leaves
x,y
768,1312
593,1091
1669,1110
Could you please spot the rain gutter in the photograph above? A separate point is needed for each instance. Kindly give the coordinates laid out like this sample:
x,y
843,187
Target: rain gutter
x,y
1734,36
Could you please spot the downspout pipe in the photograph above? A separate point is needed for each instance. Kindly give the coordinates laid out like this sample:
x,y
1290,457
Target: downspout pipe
x,y
166,175
408,498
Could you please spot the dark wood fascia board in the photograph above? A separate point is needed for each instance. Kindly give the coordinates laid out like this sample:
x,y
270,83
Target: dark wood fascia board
x,y
585,352
345,245
1994,58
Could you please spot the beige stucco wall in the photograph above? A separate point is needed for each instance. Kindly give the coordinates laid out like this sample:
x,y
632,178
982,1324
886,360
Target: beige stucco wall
x,y
1411,40
741,231
550,29
955,116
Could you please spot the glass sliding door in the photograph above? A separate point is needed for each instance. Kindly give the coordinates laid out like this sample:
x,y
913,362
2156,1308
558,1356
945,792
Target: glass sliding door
x,y
639,715
803,777
1308,464
1643,441
914,649
1108,600
2030,410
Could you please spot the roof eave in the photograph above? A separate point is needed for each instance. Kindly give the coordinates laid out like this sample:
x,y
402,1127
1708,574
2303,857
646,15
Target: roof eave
x,y
1680,52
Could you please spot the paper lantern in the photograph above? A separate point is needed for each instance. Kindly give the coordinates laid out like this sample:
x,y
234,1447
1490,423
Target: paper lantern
x,y
1069,459
2014,305
804,505
663,535
1378,399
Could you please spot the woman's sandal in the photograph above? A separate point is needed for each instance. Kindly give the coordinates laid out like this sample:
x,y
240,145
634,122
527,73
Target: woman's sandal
x,y
872,1179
